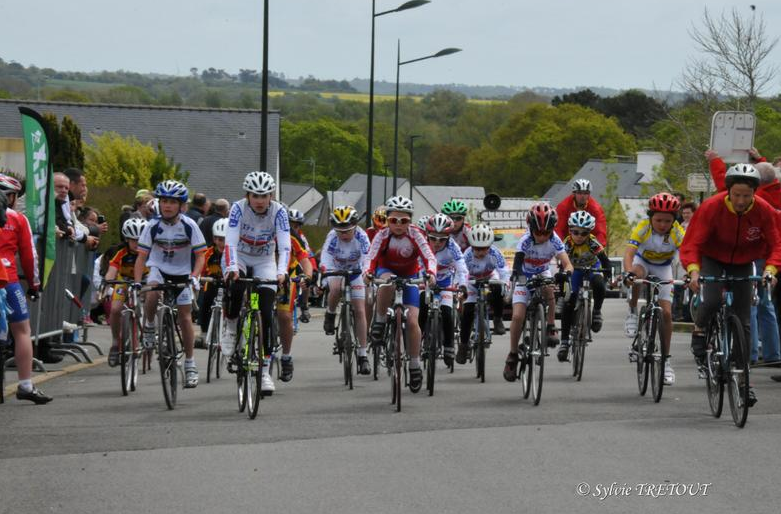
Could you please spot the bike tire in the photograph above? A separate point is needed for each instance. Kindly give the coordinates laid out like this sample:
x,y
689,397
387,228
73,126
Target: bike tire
x,y
376,359
241,386
482,323
166,355
432,341
738,372
578,341
347,348
642,354
526,373
212,338
714,373
254,365
539,345
656,358
126,352
399,340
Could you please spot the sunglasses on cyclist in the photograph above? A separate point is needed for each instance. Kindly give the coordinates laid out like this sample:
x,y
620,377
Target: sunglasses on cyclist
x,y
380,219
399,221
438,238
579,232
456,217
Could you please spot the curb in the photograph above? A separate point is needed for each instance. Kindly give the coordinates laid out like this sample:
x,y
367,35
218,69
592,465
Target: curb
x,y
10,390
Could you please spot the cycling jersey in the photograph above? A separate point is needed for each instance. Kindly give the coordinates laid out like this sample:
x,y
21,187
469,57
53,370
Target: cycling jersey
x,y
345,255
170,245
371,232
299,234
462,237
584,255
491,265
400,254
653,248
296,256
212,265
451,264
17,238
124,261
256,239
537,257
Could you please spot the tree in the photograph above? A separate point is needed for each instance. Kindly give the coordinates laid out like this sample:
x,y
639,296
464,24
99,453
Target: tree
x,y
735,52
125,161
584,97
67,95
65,145
445,165
618,227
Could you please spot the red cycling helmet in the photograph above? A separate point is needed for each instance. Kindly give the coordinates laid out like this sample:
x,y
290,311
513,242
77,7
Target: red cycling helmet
x,y
542,217
664,202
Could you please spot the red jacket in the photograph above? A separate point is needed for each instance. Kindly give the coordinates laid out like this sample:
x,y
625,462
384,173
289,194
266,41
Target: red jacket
x,y
771,193
17,238
567,207
716,231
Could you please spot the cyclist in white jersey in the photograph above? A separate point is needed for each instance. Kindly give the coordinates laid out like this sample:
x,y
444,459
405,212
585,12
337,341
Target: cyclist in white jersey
x,y
257,244
345,248
167,246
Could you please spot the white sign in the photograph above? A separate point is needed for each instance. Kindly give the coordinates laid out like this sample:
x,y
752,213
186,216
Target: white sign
x,y
732,135
699,183
504,218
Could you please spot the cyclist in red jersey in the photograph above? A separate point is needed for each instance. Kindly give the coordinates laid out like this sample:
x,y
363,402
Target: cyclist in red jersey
x,y
16,238
379,222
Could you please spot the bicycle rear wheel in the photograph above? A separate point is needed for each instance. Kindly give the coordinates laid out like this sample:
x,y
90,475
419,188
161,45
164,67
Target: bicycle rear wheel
x,y
126,352
539,348
215,353
432,344
738,378
166,355
253,371
714,372
656,357
480,350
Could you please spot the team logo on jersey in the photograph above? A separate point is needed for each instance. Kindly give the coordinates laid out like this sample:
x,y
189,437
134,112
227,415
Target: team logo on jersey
x,y
753,234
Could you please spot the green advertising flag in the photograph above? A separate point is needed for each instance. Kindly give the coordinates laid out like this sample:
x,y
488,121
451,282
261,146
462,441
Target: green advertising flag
x,y
40,189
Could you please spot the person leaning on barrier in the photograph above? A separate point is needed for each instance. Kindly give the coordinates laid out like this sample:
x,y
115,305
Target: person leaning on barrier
x,y
220,210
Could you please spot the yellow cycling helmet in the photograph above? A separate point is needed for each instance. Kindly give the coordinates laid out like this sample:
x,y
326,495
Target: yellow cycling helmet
x,y
344,217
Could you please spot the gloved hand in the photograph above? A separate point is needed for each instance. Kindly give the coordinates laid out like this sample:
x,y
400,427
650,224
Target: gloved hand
x,y
33,294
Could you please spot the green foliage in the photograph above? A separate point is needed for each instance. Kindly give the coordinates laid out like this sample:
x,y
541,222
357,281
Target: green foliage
x,y
4,94
65,145
125,161
618,227
108,201
67,95
542,145
132,95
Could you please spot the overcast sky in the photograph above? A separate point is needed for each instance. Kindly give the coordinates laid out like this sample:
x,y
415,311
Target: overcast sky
x,y
557,43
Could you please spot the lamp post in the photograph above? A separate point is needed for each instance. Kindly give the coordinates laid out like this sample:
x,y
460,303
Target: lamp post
x,y
411,160
264,94
403,7
399,64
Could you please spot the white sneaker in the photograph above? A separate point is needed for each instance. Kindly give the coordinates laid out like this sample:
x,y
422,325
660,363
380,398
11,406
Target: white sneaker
x,y
669,374
630,325
266,384
228,338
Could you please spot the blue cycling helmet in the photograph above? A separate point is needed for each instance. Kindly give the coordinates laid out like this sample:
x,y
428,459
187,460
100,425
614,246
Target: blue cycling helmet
x,y
582,219
171,189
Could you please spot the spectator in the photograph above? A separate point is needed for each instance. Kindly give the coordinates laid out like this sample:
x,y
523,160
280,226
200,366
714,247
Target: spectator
x,y
62,213
687,211
681,200
78,183
220,210
199,205
140,207
581,200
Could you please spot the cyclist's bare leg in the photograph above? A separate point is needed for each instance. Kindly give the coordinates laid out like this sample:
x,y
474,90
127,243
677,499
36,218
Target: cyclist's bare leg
x,y
516,325
334,293
285,322
547,293
639,272
359,307
150,305
666,330
383,300
413,332
115,320
23,349
186,326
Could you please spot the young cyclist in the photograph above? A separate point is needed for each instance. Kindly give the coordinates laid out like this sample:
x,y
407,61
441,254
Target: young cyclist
x,y
379,222
296,219
728,232
451,272
345,248
257,244
121,267
456,209
535,250
483,260
651,248
167,246
584,252
212,267
395,251
16,239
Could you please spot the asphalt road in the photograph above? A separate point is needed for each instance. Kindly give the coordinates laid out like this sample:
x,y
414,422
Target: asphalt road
x,y
593,446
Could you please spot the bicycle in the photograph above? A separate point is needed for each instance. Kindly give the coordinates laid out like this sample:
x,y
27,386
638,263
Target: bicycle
x,y
534,336
581,326
216,360
250,351
131,323
433,335
726,354
346,340
480,340
647,348
395,335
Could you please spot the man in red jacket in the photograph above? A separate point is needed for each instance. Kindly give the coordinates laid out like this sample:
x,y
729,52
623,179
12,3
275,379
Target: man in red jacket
x,y
727,234
769,187
581,200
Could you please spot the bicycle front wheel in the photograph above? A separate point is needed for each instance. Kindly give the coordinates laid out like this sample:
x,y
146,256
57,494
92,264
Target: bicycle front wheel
x,y
738,383
432,342
714,372
641,347
526,373
539,348
253,359
238,356
347,346
482,325
656,357
579,340
126,352
215,354
166,355
399,340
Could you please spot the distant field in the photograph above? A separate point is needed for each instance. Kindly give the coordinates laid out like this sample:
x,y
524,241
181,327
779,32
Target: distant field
x,y
364,97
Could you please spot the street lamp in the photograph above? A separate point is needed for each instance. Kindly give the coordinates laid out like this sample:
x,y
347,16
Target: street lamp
x,y
264,94
399,64
403,7
311,162
411,160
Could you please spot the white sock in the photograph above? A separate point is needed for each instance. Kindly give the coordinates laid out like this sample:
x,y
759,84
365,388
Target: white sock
x,y
414,362
361,352
147,324
381,318
329,311
230,324
287,357
26,385
189,362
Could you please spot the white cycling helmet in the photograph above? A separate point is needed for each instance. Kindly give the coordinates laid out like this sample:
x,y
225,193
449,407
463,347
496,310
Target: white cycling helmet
x,y
439,224
132,228
581,185
220,228
742,173
399,204
422,221
481,236
259,182
295,216
582,219
154,206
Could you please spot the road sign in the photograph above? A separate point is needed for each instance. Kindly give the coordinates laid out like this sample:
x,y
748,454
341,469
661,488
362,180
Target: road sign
x,y
504,218
700,183
732,135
